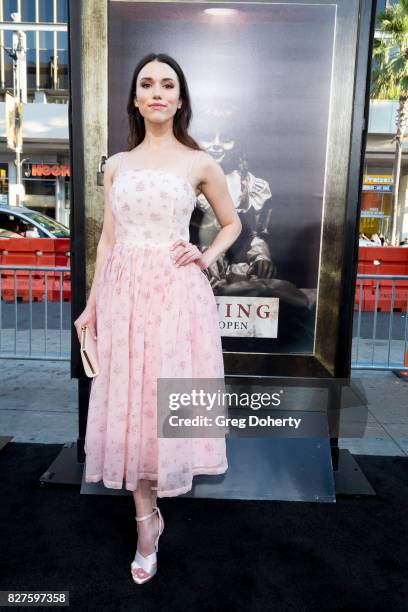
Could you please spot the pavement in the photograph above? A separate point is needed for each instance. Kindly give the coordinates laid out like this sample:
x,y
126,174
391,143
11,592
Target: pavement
x,y
38,403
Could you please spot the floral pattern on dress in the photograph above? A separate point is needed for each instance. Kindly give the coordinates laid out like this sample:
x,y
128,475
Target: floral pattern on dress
x,y
154,319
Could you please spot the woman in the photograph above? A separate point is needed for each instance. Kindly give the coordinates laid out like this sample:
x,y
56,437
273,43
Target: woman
x,y
151,303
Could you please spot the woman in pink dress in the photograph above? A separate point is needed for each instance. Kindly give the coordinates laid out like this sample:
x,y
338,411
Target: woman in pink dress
x,y
151,307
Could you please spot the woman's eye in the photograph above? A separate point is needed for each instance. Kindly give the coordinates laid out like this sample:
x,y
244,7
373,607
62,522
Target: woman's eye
x,y
168,86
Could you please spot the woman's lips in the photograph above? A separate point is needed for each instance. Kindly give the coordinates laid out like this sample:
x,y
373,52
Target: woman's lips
x,y
157,106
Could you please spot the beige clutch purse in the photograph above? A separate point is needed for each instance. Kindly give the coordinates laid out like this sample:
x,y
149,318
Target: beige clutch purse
x,y
89,352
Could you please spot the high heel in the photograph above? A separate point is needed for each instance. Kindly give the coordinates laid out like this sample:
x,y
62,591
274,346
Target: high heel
x,y
149,563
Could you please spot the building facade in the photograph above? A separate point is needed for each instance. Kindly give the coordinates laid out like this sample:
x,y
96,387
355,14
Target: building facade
x,y
378,183
376,203
45,157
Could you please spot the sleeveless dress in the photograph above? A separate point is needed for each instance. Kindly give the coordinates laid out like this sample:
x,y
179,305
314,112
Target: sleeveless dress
x,y
153,319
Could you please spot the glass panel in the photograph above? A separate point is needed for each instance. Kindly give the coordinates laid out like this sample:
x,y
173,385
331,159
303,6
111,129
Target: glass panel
x,y
46,69
8,62
46,59
9,6
46,10
62,59
3,178
62,41
30,60
62,11
28,10
39,187
47,40
67,193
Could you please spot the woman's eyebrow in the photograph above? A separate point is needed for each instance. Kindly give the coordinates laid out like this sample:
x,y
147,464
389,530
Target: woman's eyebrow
x,y
150,79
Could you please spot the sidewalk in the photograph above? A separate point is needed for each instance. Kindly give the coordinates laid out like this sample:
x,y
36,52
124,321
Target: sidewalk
x,y
38,403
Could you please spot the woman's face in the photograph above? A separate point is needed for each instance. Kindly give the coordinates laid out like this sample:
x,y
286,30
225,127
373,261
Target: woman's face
x,y
157,84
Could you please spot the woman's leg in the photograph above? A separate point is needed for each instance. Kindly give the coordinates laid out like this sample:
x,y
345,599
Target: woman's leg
x,y
153,483
147,530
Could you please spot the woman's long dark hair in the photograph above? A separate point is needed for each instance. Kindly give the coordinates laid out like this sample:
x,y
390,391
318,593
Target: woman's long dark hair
x,y
182,117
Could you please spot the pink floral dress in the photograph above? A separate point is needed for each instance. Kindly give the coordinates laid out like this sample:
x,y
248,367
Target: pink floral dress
x,y
154,319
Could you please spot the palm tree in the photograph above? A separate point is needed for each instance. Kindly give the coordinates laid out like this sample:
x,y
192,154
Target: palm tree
x,y
389,81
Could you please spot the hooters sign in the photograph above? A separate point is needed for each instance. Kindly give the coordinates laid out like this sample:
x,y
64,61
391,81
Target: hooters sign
x,y
45,170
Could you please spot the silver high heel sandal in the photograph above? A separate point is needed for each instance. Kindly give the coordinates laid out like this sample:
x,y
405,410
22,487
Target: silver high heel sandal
x,y
149,563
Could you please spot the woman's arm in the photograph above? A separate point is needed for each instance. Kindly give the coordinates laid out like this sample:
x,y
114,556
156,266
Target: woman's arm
x,y
105,244
214,186
107,238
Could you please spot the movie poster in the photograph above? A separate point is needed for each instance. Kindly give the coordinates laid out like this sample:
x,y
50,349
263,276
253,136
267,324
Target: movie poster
x,y
259,77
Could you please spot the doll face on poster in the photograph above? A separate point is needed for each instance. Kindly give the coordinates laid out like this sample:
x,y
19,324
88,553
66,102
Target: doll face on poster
x,y
218,146
157,92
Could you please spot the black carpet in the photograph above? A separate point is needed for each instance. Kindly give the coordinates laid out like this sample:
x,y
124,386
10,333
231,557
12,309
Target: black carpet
x,y
213,554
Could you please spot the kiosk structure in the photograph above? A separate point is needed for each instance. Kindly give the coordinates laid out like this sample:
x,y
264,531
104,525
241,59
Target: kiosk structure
x,y
293,158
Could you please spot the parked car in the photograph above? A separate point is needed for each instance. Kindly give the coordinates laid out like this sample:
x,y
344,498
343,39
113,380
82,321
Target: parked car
x,y
20,219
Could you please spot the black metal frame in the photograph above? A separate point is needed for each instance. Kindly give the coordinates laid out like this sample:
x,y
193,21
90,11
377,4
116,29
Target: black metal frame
x,y
77,214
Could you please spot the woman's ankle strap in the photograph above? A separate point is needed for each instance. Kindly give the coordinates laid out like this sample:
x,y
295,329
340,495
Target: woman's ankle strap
x,y
143,518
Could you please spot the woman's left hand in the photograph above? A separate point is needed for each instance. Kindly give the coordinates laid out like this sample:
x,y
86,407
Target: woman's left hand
x,y
184,252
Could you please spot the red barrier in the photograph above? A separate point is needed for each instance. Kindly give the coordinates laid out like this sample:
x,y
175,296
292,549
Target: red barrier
x,y
62,258
382,260
34,252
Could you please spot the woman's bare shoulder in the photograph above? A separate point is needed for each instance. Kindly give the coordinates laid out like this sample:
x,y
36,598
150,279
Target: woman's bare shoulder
x,y
112,163
206,164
